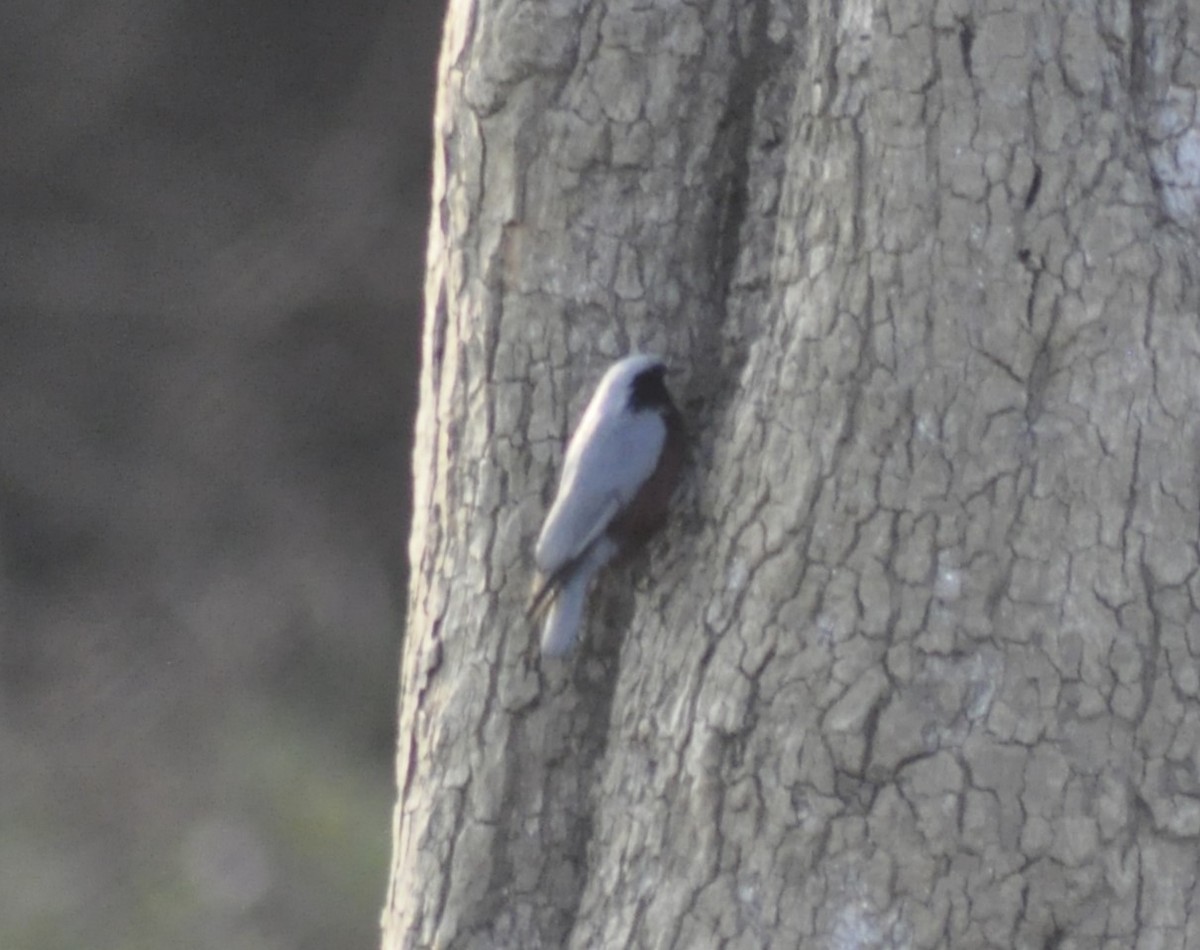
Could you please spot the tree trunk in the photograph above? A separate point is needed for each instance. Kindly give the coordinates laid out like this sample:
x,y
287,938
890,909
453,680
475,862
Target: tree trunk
x,y
915,664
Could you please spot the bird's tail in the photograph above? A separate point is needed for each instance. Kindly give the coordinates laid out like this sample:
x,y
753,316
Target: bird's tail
x,y
565,614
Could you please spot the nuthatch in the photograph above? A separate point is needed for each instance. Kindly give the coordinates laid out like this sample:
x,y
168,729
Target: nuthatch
x,y
620,470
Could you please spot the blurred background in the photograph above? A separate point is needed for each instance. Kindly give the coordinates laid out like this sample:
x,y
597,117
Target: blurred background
x,y
211,254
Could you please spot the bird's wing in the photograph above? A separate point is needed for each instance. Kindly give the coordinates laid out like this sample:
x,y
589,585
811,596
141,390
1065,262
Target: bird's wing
x,y
546,588
607,461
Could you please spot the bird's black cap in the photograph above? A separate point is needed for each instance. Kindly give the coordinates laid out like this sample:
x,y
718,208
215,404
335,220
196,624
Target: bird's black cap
x,y
648,391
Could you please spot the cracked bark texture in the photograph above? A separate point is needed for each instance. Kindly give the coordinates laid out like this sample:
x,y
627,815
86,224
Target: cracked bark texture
x,y
916,663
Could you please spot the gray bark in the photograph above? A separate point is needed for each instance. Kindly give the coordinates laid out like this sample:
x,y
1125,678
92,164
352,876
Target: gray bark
x,y
915,663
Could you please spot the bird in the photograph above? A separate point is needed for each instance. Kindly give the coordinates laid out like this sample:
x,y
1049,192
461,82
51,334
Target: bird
x,y
619,472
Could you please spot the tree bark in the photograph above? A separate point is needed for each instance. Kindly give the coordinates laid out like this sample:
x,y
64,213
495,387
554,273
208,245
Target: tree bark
x,y
915,664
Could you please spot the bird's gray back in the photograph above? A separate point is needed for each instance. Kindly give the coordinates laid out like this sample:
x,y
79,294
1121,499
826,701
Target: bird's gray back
x,y
608,460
